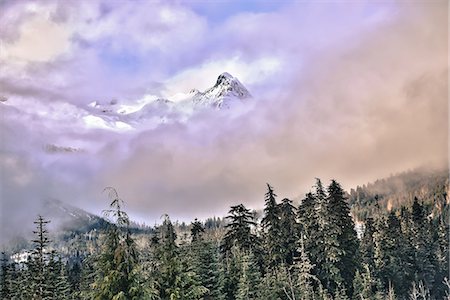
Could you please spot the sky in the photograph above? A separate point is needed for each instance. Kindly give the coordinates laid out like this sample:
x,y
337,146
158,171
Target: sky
x,y
351,90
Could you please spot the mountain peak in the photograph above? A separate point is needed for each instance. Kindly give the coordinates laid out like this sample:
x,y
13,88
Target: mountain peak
x,y
226,90
224,78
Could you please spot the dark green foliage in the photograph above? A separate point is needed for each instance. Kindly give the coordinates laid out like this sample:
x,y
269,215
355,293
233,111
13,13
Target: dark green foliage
x,y
239,230
288,235
309,227
392,255
247,288
6,277
175,273
40,287
205,261
341,243
271,228
367,245
309,253
116,267
197,230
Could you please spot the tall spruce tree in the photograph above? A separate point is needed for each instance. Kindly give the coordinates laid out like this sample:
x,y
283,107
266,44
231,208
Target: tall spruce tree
x,y
37,263
197,230
340,241
205,261
249,278
309,229
116,267
239,230
390,261
424,246
367,245
271,228
288,234
176,277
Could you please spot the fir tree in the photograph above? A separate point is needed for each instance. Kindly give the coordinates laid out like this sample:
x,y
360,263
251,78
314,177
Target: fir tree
x,y
340,241
271,228
37,264
6,288
116,276
175,275
287,232
390,261
367,244
249,278
239,230
309,228
205,261
303,270
197,230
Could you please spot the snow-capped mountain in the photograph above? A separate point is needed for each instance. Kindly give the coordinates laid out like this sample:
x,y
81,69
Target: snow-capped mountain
x,y
147,112
152,111
227,90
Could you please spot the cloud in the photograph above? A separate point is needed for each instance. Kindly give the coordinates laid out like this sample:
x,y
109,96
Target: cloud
x,y
352,92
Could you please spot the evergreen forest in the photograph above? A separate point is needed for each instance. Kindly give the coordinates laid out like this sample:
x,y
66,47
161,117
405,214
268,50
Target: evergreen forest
x,y
316,249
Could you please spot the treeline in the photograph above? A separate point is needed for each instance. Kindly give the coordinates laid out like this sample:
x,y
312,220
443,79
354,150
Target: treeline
x,y
430,186
310,251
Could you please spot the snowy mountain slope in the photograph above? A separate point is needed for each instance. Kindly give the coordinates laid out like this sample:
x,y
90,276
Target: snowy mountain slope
x,y
152,111
227,90
147,112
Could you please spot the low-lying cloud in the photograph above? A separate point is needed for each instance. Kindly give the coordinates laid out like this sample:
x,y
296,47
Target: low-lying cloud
x,y
352,102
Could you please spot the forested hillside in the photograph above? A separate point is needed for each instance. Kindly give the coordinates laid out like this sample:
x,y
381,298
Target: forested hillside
x,y
306,251
429,186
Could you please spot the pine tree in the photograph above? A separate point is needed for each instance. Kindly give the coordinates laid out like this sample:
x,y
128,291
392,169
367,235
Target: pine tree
x,y
340,243
175,274
37,263
303,270
367,244
205,261
249,278
5,278
309,229
231,266
271,228
425,248
116,266
57,280
287,232
197,230
364,285
239,230
390,255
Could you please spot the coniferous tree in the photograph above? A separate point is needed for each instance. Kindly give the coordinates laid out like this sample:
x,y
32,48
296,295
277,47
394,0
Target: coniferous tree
x,y
367,244
175,275
239,230
303,270
116,266
5,278
340,243
365,285
288,236
389,255
347,240
424,247
197,230
57,280
232,268
249,278
271,228
309,228
37,264
205,260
